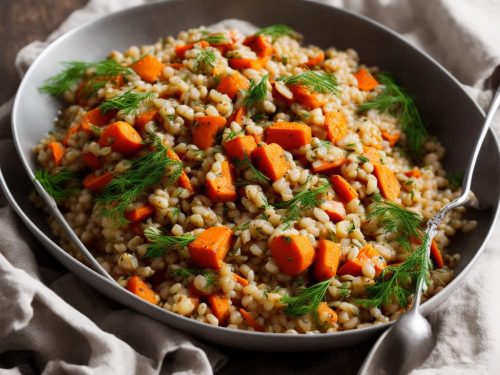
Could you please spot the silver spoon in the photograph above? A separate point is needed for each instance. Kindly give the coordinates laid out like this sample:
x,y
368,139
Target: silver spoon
x,y
408,343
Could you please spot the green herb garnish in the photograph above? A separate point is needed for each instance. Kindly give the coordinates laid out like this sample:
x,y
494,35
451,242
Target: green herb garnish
x,y
215,39
279,30
256,93
160,243
127,103
321,82
205,60
60,185
306,300
363,159
397,101
455,180
259,177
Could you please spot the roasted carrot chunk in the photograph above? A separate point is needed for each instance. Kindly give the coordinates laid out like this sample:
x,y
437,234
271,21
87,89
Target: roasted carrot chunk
x,y
366,81
180,51
140,213
335,210
149,68
183,180
289,135
91,161
205,130
344,190
413,173
305,97
392,138
238,147
210,247
96,117
240,280
139,287
143,118
122,137
326,314
372,154
436,255
293,253
259,44
251,321
70,133
326,167
237,116
336,127
387,182
221,307
326,260
232,84
96,183
317,59
271,160
366,254
222,188
57,151
243,63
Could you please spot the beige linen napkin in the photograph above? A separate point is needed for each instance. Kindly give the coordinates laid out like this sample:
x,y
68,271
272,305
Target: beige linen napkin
x,y
461,34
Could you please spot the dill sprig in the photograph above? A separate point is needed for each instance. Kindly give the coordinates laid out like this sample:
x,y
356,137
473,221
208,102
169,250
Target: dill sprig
x,y
256,92
144,172
59,185
215,39
397,101
258,176
455,179
344,290
320,82
160,243
127,103
75,70
233,134
205,60
279,30
306,300
403,223
305,199
397,283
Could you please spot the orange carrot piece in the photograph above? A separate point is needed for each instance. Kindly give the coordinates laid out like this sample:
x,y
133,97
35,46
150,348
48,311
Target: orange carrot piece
x,y
143,118
259,44
238,147
240,280
232,84
91,161
336,127
222,188
372,154
436,255
343,188
326,167
183,180
96,117
335,210
237,116
326,314
366,81
317,59
293,253
221,307
244,63
139,287
209,249
70,133
354,266
176,66
289,135
96,183
413,173
326,260
392,138
387,182
205,130
369,252
271,160
180,51
251,321
140,213
122,137
57,150
305,97
149,68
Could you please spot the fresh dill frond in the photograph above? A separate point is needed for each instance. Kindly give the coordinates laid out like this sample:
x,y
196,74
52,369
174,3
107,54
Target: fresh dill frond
x,y
258,176
60,185
279,30
398,102
306,300
110,68
205,60
398,282
326,144
268,291
395,219
182,272
344,290
233,134
363,159
256,93
216,39
127,103
210,277
143,172
160,244
320,82
455,179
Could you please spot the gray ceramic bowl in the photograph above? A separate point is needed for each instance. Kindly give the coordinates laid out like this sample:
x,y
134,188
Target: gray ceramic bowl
x,y
451,114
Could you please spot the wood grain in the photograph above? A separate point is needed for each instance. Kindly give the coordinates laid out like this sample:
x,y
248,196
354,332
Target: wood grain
x,y
22,22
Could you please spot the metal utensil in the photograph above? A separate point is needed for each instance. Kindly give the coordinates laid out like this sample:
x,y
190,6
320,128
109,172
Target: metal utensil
x,y
410,340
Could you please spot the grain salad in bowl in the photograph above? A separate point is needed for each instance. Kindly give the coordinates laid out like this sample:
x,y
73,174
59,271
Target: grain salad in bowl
x,y
249,181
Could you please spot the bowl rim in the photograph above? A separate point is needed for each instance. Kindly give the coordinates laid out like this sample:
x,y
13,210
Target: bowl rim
x,y
426,306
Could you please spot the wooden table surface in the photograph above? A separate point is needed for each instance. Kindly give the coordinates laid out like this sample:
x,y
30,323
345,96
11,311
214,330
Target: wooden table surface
x,y
24,21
